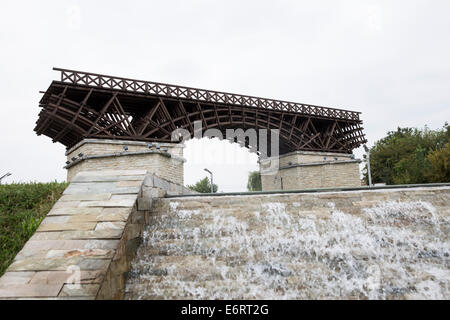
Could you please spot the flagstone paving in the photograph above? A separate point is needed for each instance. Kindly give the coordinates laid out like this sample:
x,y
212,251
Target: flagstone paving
x,y
83,231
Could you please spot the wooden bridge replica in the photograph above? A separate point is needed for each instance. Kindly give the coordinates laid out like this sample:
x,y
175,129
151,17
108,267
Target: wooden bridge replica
x,y
83,106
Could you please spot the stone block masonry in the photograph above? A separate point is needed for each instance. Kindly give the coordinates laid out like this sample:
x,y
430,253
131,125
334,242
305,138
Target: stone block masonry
x,y
100,154
289,245
309,170
94,228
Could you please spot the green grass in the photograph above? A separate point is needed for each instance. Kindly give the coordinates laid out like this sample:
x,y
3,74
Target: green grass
x,y
22,208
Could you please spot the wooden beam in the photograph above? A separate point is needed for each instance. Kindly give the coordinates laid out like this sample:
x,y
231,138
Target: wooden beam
x,y
102,112
63,132
48,120
146,119
183,109
167,114
199,108
130,127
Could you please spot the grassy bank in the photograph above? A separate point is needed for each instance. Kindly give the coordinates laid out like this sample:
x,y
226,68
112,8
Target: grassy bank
x,y
22,208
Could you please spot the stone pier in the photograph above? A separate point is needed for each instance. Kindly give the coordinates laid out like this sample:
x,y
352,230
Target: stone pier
x,y
309,170
164,159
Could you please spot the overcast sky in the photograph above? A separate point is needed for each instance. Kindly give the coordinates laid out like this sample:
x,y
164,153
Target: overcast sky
x,y
388,59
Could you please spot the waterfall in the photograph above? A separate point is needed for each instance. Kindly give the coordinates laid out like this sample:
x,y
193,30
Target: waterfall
x,y
270,248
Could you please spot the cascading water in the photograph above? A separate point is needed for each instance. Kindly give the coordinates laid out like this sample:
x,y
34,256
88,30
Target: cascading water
x,y
279,250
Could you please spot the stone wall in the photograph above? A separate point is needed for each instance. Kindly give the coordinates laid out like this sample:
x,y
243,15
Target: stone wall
x,y
309,170
100,154
94,228
296,245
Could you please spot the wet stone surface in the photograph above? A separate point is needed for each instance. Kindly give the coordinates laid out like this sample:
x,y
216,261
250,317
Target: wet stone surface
x,y
354,245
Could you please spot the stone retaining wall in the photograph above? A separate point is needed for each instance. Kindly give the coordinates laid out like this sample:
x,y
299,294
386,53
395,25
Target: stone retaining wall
x,y
211,247
94,228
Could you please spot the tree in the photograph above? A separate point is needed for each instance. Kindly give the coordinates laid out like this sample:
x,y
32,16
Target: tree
x,y
254,181
440,165
203,186
404,156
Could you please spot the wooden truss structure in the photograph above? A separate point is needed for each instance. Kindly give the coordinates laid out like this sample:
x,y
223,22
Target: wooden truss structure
x,y
87,105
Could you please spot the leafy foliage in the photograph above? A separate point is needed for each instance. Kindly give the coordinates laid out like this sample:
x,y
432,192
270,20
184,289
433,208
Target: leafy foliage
x,y
22,208
411,155
203,186
254,181
440,164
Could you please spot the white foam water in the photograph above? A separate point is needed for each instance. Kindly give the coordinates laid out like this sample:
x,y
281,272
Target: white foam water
x,y
393,250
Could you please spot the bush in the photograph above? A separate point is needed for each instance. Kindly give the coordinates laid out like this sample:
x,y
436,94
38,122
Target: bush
x,y
203,186
254,181
411,155
22,208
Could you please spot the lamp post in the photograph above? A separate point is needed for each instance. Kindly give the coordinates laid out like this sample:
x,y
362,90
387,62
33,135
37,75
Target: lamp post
x,y
368,164
212,186
4,176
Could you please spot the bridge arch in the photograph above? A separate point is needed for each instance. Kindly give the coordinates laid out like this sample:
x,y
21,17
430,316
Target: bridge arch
x,y
85,105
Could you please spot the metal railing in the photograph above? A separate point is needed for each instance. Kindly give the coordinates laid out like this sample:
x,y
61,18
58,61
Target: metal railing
x,y
202,95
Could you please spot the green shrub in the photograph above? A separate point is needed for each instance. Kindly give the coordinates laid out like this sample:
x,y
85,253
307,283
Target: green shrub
x,y
203,186
411,155
22,208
